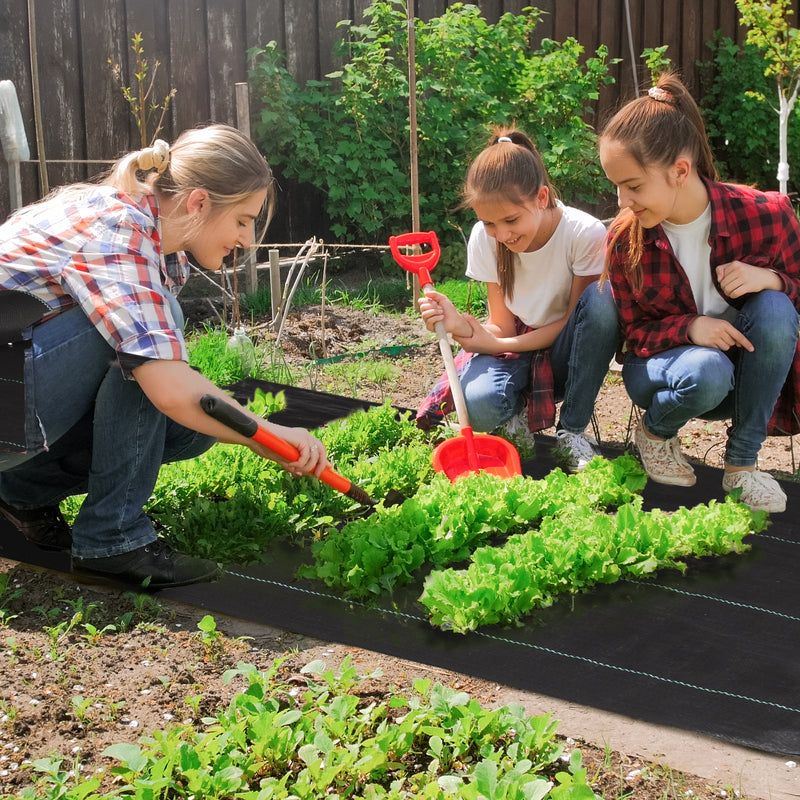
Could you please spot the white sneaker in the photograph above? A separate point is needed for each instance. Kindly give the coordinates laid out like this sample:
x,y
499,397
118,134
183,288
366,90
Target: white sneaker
x,y
573,451
517,432
760,490
662,459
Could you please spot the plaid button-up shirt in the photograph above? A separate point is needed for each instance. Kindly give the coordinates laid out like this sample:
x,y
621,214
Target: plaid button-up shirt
x,y
758,228
101,250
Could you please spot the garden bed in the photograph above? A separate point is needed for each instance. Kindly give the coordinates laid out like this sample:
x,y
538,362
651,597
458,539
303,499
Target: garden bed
x,y
88,692
94,667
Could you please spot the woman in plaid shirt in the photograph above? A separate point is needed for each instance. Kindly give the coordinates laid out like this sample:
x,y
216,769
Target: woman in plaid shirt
x,y
109,391
706,276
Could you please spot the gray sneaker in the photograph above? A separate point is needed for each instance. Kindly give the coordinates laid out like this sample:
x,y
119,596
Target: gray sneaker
x,y
760,490
517,432
573,451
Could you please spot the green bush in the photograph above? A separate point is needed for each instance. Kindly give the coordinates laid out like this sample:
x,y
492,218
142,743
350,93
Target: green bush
x,y
348,136
739,109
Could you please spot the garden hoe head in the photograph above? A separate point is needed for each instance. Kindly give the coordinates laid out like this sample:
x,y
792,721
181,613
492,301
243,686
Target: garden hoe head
x,y
470,452
232,416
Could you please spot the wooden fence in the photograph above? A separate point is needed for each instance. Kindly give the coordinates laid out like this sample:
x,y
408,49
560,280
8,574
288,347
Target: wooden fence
x,y
201,47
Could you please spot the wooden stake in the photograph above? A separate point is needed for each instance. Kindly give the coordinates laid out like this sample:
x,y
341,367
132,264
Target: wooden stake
x,y
412,117
243,124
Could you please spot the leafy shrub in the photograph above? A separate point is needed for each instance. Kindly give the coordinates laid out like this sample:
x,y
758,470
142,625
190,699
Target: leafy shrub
x,y
739,109
349,135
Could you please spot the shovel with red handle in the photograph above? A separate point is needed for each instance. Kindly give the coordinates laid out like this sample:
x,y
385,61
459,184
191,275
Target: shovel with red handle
x,y
468,452
232,416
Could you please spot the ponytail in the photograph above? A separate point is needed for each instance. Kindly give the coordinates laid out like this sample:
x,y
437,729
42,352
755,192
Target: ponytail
x,y
624,222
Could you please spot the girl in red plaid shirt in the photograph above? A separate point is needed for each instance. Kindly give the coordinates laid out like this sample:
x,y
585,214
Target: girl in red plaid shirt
x,y
706,277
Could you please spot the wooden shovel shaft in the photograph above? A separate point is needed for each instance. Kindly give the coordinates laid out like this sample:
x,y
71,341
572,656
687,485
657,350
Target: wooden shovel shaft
x,y
452,375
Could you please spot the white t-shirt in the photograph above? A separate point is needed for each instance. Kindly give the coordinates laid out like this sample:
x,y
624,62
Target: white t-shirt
x,y
693,251
543,279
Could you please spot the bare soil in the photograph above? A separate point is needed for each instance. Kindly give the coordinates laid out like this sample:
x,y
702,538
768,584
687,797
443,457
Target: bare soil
x,y
70,686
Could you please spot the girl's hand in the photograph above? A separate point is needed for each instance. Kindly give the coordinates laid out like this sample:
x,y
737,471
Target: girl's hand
x,y
479,339
717,333
737,279
436,307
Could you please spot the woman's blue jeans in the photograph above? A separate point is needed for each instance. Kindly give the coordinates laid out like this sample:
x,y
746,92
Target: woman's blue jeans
x,y
494,388
105,439
691,381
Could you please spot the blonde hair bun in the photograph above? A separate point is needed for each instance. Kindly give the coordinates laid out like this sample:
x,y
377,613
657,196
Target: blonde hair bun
x,y
155,157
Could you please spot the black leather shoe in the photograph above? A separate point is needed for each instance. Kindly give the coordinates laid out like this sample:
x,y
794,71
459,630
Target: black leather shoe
x,y
154,566
45,527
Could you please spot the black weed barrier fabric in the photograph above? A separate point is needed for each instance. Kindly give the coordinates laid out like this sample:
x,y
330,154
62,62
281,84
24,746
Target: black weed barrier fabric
x,y
715,651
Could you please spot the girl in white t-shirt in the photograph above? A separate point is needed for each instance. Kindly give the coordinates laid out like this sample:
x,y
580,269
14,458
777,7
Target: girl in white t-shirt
x,y
550,333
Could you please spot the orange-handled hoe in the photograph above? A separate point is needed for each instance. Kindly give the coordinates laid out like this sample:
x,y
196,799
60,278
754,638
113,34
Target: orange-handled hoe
x,y
232,416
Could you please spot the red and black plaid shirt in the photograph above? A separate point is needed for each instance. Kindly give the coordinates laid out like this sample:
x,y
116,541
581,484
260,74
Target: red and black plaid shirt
x,y
758,228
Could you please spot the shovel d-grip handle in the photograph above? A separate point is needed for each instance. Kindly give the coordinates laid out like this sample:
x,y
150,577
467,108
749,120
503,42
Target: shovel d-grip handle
x,y
232,416
419,263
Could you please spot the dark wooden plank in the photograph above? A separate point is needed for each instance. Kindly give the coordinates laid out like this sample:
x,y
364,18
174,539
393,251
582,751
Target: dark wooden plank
x,y
613,32
565,15
331,13
189,64
226,58
691,39
652,30
546,29
631,75
263,23
586,24
107,114
58,56
516,6
491,10
710,23
302,40
359,7
428,9
15,66
149,18
671,31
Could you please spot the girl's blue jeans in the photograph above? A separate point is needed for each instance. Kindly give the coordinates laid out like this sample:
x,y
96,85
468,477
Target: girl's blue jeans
x,y
691,381
105,439
494,388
